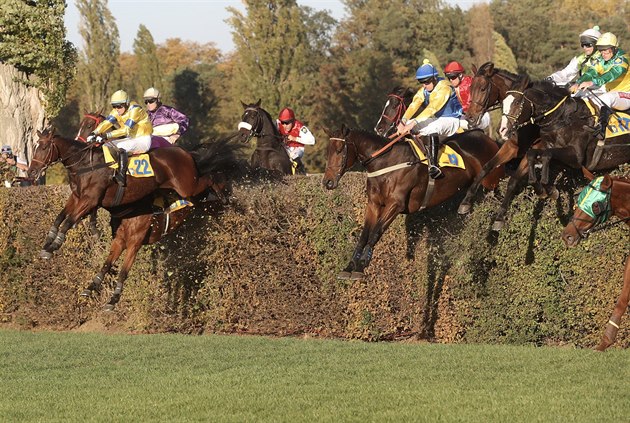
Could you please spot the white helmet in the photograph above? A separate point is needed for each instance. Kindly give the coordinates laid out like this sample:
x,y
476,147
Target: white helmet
x,y
590,35
151,93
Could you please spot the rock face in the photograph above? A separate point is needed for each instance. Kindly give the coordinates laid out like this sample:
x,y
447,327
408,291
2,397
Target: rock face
x,y
21,112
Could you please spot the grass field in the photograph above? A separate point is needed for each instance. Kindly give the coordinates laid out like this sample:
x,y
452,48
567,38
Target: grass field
x,y
131,378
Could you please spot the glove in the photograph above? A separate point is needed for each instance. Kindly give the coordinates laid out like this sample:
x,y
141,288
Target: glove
x,y
91,138
100,139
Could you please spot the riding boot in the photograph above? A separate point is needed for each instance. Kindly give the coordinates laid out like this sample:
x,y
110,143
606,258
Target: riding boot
x,y
434,146
121,175
604,115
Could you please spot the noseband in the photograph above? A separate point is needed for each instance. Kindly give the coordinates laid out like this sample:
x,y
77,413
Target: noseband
x,y
400,111
96,119
255,130
344,162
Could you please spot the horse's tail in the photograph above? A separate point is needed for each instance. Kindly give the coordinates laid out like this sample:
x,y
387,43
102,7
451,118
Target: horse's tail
x,y
219,157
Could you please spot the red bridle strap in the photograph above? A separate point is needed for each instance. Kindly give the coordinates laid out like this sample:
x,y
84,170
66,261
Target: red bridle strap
x,y
97,119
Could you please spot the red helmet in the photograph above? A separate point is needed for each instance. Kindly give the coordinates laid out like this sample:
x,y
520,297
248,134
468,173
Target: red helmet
x,y
453,68
286,115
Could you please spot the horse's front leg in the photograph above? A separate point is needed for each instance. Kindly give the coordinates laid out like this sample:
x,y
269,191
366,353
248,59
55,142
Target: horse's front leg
x,y
47,249
133,246
612,327
368,224
519,175
386,217
115,250
507,152
532,157
73,217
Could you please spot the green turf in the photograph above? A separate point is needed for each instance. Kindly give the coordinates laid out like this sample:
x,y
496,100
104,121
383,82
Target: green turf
x,y
129,378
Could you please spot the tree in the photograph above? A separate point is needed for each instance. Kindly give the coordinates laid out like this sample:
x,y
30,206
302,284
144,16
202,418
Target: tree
x,y
503,57
480,33
99,71
33,41
148,65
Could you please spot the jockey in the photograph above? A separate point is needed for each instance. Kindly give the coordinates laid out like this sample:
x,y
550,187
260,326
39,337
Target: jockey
x,y
579,64
296,135
610,70
454,71
167,121
440,115
134,127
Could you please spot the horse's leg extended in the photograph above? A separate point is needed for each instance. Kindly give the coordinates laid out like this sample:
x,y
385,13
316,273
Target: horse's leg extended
x,y
507,152
612,327
47,249
368,224
532,157
499,218
386,217
133,246
81,209
115,249
96,234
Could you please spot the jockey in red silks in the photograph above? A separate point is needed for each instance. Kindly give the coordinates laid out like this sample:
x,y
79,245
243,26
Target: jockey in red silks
x,y
296,136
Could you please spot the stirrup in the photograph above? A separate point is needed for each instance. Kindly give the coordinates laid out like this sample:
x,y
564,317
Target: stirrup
x,y
434,172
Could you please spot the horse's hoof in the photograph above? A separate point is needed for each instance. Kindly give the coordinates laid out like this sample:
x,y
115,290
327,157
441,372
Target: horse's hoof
x,y
343,275
554,194
86,293
108,307
498,225
463,209
357,276
43,254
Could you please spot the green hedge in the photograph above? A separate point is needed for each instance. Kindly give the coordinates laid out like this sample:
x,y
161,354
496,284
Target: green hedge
x,y
268,265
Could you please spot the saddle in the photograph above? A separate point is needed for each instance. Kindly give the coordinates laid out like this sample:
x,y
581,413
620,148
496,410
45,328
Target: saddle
x,y
447,157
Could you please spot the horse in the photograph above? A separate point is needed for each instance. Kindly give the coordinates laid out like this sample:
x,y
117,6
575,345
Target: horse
x,y
270,153
489,88
397,102
92,184
141,223
564,122
398,182
603,196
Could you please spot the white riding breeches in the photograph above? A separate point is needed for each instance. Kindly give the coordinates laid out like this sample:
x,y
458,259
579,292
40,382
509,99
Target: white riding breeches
x,y
445,126
483,123
617,100
137,145
295,152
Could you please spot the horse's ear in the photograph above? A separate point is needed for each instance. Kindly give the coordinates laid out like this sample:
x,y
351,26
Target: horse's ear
x,y
606,182
244,105
474,70
39,133
327,132
258,103
587,174
344,130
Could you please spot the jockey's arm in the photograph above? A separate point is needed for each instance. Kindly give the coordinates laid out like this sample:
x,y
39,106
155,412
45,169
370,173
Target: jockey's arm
x,y
616,71
566,75
306,137
108,123
415,105
181,119
437,100
135,115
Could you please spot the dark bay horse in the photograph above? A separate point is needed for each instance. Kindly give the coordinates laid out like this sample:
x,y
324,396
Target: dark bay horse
x,y
398,183
561,119
92,184
397,102
489,88
142,223
602,197
270,153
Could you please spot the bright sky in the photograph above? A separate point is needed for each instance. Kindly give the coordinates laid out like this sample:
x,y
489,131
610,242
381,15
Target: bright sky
x,y
202,21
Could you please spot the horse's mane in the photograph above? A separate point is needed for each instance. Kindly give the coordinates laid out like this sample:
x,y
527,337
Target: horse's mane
x,y
550,89
505,73
368,134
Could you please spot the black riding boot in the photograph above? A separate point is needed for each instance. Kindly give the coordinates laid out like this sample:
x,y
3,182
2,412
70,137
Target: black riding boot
x,y
434,146
604,115
121,175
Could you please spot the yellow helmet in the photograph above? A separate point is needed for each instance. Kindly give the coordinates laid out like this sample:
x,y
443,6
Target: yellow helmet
x,y
151,93
607,40
120,97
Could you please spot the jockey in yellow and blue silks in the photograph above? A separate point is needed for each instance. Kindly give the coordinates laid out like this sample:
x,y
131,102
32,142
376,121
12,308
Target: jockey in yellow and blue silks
x,y
440,112
611,71
133,134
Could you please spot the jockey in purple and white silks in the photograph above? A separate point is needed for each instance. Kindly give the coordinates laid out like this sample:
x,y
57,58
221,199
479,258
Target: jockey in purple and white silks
x,y
167,121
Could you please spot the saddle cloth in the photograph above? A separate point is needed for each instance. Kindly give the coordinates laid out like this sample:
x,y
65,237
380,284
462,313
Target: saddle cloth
x,y
448,156
618,123
139,166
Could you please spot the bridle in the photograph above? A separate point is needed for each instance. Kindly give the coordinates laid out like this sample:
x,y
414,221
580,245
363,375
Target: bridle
x,y
54,155
534,119
97,119
485,106
400,111
344,162
601,216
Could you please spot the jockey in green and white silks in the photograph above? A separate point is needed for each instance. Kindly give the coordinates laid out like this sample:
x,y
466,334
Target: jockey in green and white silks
x,y
580,64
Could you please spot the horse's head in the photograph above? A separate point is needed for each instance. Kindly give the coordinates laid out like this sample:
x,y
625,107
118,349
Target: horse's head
x,y
518,108
46,153
338,159
397,102
593,207
484,93
89,123
251,123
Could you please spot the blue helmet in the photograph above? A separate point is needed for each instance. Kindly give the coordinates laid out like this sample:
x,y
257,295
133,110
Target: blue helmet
x,y
426,71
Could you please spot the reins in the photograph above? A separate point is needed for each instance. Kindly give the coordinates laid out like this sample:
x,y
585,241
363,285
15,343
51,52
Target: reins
x,y
533,119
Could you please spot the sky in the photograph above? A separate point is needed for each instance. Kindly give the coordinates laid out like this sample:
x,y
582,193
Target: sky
x,y
201,21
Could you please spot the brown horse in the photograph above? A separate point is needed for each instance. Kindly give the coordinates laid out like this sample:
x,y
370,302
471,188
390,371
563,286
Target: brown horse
x,y
270,153
142,223
489,88
93,186
561,119
399,183
397,102
603,196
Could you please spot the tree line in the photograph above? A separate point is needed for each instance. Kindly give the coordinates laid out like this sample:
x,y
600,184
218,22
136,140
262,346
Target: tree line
x,y
329,71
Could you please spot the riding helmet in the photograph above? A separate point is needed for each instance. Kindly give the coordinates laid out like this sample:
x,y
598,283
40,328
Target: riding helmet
x,y
453,69
286,115
120,97
591,35
151,93
607,40
426,71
